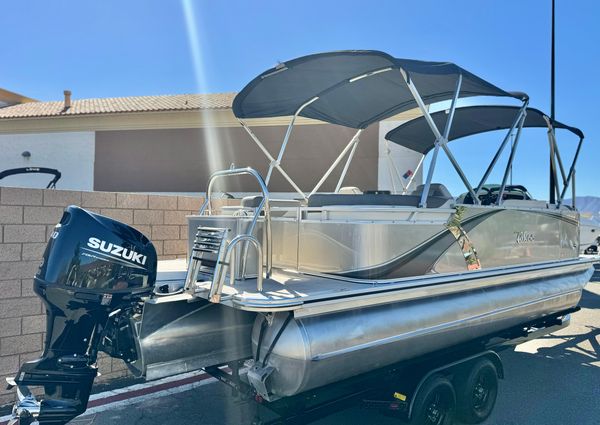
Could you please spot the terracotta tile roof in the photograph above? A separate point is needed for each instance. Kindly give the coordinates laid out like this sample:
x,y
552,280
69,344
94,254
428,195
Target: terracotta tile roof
x,y
178,102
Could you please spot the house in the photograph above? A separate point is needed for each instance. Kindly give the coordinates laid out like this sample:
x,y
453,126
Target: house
x,y
172,143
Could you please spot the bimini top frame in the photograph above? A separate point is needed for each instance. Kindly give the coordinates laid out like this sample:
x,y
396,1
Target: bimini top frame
x,y
470,120
356,89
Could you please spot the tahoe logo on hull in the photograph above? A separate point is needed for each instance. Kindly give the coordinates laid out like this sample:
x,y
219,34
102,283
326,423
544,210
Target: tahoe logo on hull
x,y
116,250
524,237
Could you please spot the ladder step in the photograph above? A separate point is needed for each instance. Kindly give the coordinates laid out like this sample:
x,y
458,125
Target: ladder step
x,y
210,238
207,250
201,259
206,242
212,251
202,232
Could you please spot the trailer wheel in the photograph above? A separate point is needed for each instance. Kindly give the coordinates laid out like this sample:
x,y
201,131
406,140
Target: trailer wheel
x,y
477,391
434,403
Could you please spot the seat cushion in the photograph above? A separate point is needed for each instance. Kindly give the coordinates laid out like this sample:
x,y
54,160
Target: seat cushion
x,y
330,199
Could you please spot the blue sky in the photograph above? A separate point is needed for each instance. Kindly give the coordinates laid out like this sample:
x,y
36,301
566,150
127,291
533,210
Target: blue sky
x,y
142,47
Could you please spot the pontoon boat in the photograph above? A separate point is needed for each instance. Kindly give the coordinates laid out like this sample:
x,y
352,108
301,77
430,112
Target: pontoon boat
x,y
309,291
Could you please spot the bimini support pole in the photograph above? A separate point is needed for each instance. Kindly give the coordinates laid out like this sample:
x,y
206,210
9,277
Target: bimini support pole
x,y
434,129
511,158
276,163
501,148
559,159
286,138
441,140
573,190
270,158
553,155
336,162
346,166
444,141
571,175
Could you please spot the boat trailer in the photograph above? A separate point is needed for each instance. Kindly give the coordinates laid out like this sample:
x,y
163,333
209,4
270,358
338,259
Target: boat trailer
x,y
432,389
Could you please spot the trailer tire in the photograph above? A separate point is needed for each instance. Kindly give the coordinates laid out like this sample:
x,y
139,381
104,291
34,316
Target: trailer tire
x,y
476,391
435,402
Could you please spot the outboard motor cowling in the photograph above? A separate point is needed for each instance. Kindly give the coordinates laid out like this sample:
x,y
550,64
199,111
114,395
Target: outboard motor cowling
x,y
93,275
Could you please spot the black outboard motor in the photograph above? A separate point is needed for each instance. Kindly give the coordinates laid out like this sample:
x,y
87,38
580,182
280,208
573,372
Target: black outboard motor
x,y
93,275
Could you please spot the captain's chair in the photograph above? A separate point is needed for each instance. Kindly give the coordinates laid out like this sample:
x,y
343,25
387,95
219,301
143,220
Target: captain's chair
x,y
436,190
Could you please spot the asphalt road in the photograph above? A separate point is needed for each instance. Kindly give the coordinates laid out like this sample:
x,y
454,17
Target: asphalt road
x,y
553,380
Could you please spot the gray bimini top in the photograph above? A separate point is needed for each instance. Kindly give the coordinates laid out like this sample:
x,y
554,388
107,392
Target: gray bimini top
x,y
354,88
417,136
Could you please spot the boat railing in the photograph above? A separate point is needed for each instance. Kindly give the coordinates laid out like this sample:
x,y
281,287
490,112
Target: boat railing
x,y
229,257
223,252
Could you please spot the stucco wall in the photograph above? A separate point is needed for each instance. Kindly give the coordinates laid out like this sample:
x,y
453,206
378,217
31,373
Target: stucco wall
x,y
27,217
72,153
181,160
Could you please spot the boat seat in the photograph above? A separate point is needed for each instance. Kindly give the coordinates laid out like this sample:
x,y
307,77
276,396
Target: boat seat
x,y
332,199
439,195
435,190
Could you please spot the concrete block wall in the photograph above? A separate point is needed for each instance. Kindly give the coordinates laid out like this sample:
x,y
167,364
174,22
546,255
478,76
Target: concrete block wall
x,y
27,217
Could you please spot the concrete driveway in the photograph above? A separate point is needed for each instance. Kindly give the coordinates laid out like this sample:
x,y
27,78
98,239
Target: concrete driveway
x,y
554,380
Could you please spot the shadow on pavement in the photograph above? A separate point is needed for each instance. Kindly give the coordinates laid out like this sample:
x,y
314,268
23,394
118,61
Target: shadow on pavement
x,y
590,299
556,380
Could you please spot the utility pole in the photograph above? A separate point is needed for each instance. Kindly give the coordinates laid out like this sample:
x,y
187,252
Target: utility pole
x,y
552,182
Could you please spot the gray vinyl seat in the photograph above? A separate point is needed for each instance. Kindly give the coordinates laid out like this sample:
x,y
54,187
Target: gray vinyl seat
x,y
338,199
436,190
438,196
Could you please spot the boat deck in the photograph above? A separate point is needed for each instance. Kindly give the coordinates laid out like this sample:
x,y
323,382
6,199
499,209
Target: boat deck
x,y
309,295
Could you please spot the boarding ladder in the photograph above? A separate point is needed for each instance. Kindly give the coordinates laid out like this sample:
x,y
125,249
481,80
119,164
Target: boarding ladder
x,y
213,254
